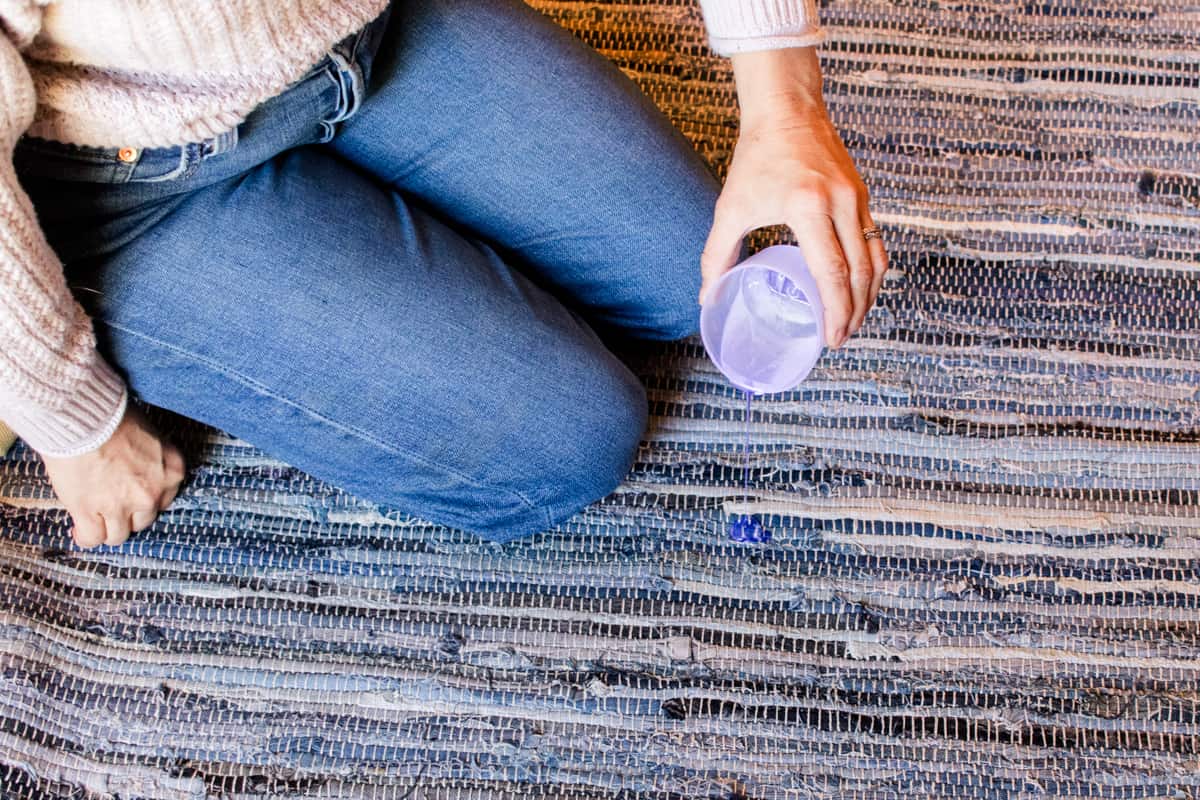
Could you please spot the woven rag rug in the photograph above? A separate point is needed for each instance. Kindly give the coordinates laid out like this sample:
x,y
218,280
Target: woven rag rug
x,y
985,575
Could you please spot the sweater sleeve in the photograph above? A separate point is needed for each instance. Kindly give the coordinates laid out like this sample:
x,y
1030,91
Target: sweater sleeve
x,y
56,390
738,26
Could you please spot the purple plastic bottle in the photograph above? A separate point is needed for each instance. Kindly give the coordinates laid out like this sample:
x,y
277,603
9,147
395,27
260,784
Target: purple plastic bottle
x,y
763,326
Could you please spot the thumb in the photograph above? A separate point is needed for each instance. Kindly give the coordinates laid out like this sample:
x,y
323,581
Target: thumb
x,y
722,248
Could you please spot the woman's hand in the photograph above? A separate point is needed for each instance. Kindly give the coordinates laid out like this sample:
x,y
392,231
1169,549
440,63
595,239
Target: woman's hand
x,y
121,486
790,167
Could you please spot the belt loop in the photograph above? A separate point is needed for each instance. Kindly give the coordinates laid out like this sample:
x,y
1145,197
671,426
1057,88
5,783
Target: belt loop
x,y
226,141
352,86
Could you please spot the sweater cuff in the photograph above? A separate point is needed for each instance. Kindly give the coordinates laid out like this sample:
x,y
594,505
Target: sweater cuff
x,y
739,26
81,425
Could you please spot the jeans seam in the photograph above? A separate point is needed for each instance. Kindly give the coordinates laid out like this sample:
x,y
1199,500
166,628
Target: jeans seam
x,y
363,435
327,132
332,74
328,129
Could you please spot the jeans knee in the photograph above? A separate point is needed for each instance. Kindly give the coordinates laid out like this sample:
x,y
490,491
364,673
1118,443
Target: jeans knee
x,y
599,445
579,453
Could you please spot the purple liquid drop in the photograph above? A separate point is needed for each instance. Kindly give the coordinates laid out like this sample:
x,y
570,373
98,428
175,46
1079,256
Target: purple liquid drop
x,y
746,528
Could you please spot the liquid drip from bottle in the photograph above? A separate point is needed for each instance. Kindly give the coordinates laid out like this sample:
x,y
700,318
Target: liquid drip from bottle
x,y
744,527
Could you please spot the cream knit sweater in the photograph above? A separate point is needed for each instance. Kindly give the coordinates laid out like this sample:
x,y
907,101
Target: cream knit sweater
x,y
155,73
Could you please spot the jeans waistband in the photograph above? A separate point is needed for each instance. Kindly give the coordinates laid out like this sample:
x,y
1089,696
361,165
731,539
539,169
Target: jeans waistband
x,y
347,63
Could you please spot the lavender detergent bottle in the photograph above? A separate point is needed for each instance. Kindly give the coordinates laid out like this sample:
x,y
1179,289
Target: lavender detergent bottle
x,y
763,327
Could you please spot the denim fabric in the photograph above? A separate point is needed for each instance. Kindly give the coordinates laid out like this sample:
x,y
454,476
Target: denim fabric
x,y
406,273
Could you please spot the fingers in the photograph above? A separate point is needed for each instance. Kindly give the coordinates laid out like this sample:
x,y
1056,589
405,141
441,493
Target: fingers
x,y
111,528
173,474
142,519
148,501
140,508
116,527
819,243
879,257
879,261
119,524
847,218
89,530
848,268
722,247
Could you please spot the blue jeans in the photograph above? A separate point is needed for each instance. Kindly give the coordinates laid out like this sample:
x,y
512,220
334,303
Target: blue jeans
x,y
404,273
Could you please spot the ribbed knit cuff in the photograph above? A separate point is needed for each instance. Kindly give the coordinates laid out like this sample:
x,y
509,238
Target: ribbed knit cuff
x,y
739,26
84,423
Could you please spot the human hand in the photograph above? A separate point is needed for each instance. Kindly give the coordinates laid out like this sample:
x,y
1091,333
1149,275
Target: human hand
x,y
790,166
121,486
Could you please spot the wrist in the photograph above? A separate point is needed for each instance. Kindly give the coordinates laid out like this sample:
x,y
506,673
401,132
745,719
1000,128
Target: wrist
x,y
780,83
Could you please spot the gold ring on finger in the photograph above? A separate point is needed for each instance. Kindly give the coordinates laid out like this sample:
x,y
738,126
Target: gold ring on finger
x,y
872,233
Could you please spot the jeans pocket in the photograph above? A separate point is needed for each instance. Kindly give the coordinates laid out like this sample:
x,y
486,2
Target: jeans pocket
x,y
51,159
